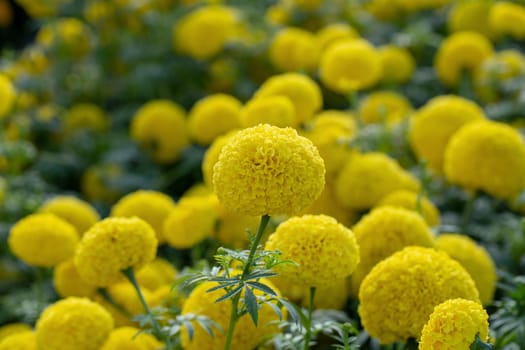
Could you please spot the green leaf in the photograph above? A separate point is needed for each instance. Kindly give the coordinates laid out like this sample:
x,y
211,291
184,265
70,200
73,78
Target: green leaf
x,y
230,294
263,288
251,305
478,344
189,329
223,285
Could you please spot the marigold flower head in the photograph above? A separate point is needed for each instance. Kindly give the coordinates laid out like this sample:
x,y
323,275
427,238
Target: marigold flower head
x,y
73,324
213,116
66,33
470,15
159,126
475,259
113,245
43,240
384,10
13,328
324,250
409,200
7,95
400,292
124,294
384,107
130,338
454,324
68,283
212,156
397,62
433,125
275,110
333,33
507,18
294,49
487,156
156,274
75,211
85,116
25,340
266,170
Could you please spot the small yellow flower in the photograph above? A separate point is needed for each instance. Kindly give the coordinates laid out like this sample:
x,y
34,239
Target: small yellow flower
x,y
156,274
68,282
13,328
7,95
275,110
131,338
77,212
384,107
507,18
85,116
333,33
69,34
25,340
409,200
125,296
212,155
397,63
294,49
471,15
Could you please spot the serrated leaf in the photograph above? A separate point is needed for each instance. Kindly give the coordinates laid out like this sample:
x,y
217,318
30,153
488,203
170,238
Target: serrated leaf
x,y
251,305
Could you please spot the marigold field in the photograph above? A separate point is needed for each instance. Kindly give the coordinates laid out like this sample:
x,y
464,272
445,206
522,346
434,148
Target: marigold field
x,y
262,174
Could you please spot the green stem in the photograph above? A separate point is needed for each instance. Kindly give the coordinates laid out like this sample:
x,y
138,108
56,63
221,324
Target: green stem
x,y
467,212
308,326
234,316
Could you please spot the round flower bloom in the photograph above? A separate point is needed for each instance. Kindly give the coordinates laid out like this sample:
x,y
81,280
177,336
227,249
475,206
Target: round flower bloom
x,y
246,335
68,282
333,33
324,250
350,65
70,34
213,116
470,15
461,50
212,156
275,110
304,93
399,294
278,14
7,95
487,156
43,240
204,32
454,324
130,338
160,127
366,178
507,18
384,231
13,328
398,63
384,107
384,10
156,274
232,228
25,340
475,259
82,116
125,295
433,125
294,49
73,324
268,170
327,204
409,200
113,245
77,212
150,206
97,180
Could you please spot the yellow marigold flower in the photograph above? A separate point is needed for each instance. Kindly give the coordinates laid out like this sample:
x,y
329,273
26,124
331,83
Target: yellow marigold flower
x,y
268,170
384,231
507,18
409,200
328,296
475,259
125,296
275,110
397,63
204,32
277,14
151,206
43,240
212,156
213,116
191,221
83,116
233,228
25,340
459,51
350,65
13,328
112,245
433,125
454,324
471,15
246,335
487,156
77,212
68,282
366,178
304,93
294,49
70,34
73,324
130,338
159,126
399,294
324,250
384,10
384,106
156,274
333,33
327,204
96,182
7,95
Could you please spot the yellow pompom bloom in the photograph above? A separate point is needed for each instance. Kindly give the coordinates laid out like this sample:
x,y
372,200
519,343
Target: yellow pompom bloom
x,y
85,116
409,200
324,250
69,34
384,231
471,15
204,32
304,93
43,240
266,170
212,156
125,295
159,126
399,294
507,18
397,63
333,33
459,51
213,116
384,10
277,14
129,338
13,328
454,324
77,212
246,335
433,125
68,282
7,95
96,182
150,206
191,221
350,65
156,274
294,49
233,228
366,178
112,245
327,204
475,259
73,324
384,107
487,156
25,340
275,110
